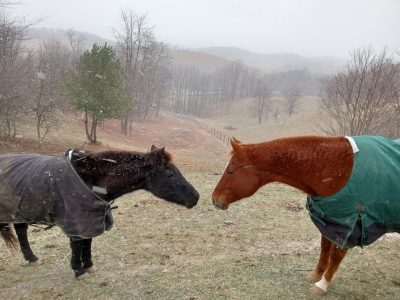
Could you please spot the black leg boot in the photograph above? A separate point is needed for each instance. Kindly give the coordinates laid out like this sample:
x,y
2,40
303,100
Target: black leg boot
x,y
76,257
87,253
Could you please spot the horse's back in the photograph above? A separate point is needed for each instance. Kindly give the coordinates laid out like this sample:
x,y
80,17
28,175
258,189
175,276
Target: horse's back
x,y
24,187
369,205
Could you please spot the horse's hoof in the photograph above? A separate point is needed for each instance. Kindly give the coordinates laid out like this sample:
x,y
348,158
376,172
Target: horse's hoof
x,y
316,291
313,277
36,262
90,270
79,273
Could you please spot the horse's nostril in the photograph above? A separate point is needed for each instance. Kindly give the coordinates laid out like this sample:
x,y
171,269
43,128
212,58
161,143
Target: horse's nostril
x,y
220,204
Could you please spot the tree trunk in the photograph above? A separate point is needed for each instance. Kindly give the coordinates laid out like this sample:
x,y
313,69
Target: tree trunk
x,y
39,119
124,125
91,135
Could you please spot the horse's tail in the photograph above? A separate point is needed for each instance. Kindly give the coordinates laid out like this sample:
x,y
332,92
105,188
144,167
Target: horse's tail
x,y
8,236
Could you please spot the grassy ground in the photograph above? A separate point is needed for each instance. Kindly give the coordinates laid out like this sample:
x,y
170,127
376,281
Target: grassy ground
x,y
261,248
306,120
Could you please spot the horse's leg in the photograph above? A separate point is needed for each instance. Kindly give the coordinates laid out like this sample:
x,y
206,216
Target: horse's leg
x,y
336,257
87,255
76,257
326,247
22,232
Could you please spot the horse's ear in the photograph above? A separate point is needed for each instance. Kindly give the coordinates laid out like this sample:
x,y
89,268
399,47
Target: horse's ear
x,y
161,151
156,155
237,148
235,140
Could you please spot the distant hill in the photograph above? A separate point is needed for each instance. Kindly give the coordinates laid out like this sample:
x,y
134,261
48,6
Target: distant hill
x,y
277,61
203,61
36,35
208,59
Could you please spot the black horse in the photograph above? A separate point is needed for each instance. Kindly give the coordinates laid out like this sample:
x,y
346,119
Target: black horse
x,y
75,191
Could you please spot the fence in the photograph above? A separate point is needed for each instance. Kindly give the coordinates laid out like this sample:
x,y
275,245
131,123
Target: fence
x,y
219,135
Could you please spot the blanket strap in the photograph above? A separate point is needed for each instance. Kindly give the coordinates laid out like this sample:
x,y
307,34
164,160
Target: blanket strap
x,y
49,226
316,209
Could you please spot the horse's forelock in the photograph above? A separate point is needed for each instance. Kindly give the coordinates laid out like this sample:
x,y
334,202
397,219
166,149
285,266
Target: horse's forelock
x,y
168,157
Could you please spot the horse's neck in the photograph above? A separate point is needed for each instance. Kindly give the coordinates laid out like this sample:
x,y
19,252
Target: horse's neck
x,y
113,180
118,185
315,165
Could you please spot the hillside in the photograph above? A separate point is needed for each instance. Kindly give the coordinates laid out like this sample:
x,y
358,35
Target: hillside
x,y
278,61
208,59
203,61
36,35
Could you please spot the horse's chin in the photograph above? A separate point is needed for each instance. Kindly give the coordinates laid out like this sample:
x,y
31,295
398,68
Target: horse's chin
x,y
187,205
190,205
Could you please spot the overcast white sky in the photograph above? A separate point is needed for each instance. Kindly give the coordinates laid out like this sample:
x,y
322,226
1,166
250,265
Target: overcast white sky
x,y
306,27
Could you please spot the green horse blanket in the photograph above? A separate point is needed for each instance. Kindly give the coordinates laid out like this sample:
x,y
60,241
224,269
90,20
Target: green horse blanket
x,y
368,206
46,190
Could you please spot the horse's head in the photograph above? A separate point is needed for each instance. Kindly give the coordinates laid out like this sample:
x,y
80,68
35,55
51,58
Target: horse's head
x,y
165,181
240,179
115,173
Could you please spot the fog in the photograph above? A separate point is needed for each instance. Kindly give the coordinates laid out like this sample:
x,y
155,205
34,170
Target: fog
x,y
305,27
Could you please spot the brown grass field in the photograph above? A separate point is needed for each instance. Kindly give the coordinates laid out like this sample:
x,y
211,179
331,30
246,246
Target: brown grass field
x,y
261,248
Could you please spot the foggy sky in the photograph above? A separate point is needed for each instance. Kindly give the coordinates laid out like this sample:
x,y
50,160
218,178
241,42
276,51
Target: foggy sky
x,y
305,27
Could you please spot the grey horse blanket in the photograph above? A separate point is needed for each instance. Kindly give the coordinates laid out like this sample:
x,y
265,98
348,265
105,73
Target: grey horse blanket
x,y
46,190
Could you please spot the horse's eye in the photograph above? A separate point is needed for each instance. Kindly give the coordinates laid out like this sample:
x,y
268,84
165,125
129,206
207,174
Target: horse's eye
x,y
169,173
229,172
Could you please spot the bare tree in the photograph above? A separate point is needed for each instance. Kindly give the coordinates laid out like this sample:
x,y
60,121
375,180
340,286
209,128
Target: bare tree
x,y
263,95
230,80
76,41
199,93
275,113
291,94
43,107
393,129
156,63
359,100
14,67
132,40
51,64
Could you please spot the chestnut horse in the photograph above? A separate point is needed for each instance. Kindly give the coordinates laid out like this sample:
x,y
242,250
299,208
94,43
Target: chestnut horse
x,y
75,190
323,168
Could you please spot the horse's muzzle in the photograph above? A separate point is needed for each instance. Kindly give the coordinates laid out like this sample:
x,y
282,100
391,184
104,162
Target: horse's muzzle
x,y
193,203
221,204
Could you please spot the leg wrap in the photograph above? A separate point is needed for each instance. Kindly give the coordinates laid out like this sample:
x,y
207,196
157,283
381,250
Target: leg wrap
x,y
76,254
